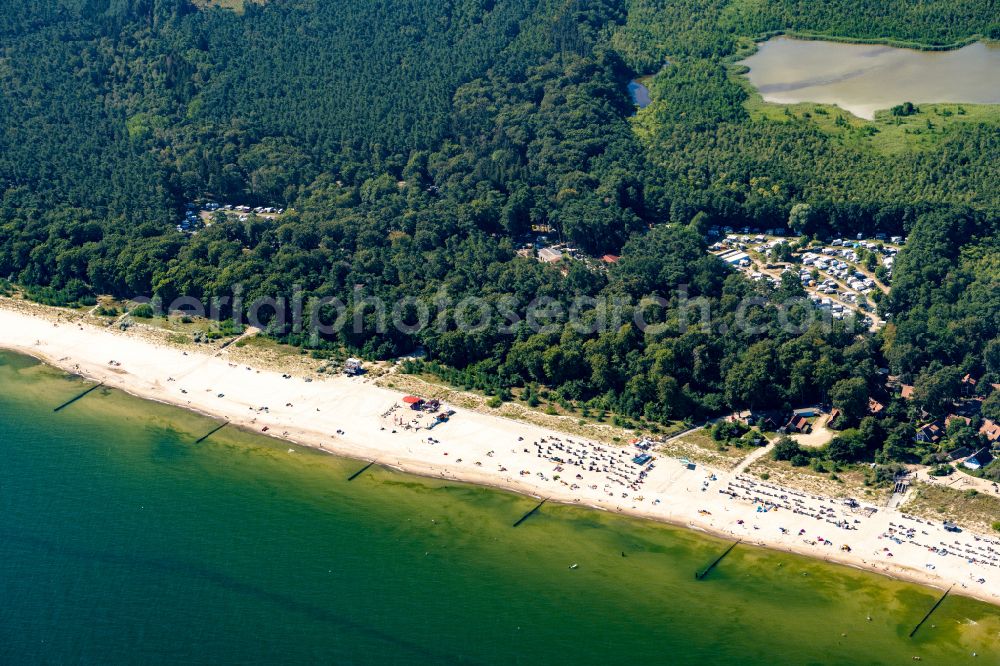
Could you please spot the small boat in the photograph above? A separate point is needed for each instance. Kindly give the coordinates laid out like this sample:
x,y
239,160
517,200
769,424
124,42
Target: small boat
x,y
574,565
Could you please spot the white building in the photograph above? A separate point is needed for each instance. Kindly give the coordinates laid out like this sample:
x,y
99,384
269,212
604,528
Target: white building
x,y
549,255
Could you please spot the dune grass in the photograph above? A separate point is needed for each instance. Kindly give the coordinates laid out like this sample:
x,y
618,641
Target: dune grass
x,y
886,134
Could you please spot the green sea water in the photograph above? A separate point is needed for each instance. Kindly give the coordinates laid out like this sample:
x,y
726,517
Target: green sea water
x,y
121,541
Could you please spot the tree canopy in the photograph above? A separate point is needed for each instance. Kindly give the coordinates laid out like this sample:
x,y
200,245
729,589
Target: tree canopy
x,y
418,145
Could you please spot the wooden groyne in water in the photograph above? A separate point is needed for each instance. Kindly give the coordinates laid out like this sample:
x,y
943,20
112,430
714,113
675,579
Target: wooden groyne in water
x,y
72,400
360,471
933,608
699,575
531,513
212,432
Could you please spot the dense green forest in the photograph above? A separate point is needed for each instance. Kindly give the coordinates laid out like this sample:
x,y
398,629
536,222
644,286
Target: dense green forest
x,y
931,23
658,30
418,144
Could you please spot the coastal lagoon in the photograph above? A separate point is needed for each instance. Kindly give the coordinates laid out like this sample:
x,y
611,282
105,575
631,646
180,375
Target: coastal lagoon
x,y
123,541
863,78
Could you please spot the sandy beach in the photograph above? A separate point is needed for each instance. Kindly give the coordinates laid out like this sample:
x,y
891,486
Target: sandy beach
x,y
351,416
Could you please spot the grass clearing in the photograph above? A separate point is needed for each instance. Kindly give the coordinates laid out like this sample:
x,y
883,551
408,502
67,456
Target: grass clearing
x,y
848,482
699,447
968,508
887,134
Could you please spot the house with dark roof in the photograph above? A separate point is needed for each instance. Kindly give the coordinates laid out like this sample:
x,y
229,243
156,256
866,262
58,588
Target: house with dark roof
x,y
959,453
969,407
798,424
763,419
979,459
929,433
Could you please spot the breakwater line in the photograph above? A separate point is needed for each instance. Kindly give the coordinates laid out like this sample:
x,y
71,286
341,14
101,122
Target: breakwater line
x,y
700,575
529,514
78,397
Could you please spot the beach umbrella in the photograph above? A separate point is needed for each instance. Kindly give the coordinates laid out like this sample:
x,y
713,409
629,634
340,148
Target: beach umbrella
x,y
411,399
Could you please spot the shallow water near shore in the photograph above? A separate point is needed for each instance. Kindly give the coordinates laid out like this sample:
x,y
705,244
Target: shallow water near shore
x,y
123,541
863,78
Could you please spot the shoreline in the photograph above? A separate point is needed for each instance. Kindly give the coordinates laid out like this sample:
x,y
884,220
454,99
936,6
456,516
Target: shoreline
x,y
876,41
348,417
